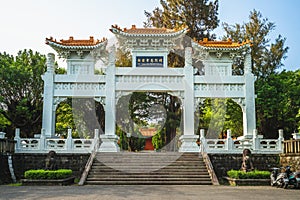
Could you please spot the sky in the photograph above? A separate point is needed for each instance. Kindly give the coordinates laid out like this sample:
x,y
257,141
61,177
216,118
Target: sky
x,y
25,24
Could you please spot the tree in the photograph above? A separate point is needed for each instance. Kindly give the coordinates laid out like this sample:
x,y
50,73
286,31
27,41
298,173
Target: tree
x,y
219,115
123,58
278,103
82,115
21,91
298,119
199,16
266,57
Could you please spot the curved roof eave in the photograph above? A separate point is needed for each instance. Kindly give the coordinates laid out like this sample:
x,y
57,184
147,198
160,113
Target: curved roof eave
x,y
86,47
198,46
124,34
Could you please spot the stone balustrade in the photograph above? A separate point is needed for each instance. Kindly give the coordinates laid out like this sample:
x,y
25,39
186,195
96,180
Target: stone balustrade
x,y
256,144
59,145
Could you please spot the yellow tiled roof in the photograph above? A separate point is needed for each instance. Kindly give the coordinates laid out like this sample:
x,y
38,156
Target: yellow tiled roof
x,y
144,31
222,44
72,42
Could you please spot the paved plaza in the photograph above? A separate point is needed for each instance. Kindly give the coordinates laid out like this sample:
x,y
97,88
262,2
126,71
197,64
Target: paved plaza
x,y
145,192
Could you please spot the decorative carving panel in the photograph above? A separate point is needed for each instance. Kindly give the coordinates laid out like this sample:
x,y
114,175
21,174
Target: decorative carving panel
x,y
221,70
79,86
219,87
148,79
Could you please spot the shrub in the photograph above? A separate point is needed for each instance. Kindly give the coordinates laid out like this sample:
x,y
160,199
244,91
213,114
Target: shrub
x,y
48,174
256,174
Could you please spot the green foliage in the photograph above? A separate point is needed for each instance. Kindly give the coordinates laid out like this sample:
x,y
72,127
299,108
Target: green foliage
x,y
159,139
83,116
64,119
48,174
4,122
218,115
59,70
123,58
298,119
15,184
278,103
135,143
21,91
199,16
256,174
266,56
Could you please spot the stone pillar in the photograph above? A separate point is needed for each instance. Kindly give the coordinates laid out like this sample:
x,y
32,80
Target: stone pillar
x,y
188,139
280,140
42,140
110,139
18,140
69,140
48,119
202,141
229,141
96,140
256,140
249,118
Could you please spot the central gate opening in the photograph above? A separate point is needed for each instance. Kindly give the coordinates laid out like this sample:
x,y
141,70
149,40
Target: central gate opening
x,y
149,121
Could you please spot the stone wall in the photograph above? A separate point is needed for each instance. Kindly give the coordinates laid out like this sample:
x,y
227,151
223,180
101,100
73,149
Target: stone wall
x,y
224,162
4,171
23,162
292,160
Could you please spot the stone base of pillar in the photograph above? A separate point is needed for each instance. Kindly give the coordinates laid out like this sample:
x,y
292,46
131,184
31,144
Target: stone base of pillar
x,y
109,143
188,143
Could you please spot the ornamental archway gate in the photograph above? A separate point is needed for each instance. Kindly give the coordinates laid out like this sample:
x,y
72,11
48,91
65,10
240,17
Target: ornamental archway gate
x,y
149,72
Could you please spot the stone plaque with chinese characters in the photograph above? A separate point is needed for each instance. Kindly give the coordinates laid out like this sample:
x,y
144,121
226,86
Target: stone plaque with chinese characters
x,y
149,61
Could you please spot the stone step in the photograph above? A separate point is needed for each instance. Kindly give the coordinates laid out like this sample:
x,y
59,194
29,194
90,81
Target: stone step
x,y
136,171
148,179
148,168
149,173
180,163
149,165
146,182
190,176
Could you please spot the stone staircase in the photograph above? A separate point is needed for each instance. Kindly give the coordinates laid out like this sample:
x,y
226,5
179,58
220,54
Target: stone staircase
x,y
167,168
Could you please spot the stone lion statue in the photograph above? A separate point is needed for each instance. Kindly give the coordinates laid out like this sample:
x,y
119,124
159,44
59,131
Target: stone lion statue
x,y
247,164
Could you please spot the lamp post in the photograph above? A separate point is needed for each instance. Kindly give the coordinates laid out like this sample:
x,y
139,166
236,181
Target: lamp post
x,y
128,135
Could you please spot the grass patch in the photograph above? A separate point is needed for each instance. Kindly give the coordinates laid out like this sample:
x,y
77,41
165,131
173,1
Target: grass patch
x,y
256,174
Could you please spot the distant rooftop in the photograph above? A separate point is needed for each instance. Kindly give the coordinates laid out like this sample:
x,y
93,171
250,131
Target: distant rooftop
x,y
71,42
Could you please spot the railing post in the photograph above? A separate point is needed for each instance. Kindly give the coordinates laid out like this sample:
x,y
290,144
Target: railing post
x,y
280,140
229,141
18,140
202,140
96,140
69,140
42,145
256,141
